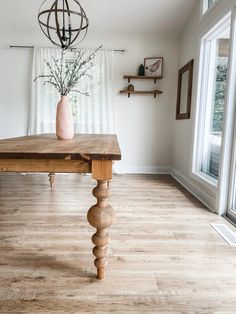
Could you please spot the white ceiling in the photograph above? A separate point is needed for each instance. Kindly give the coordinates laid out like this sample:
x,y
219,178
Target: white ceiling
x,y
123,17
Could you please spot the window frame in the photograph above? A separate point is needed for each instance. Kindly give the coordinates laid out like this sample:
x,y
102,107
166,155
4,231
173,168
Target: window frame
x,y
205,10
229,180
205,66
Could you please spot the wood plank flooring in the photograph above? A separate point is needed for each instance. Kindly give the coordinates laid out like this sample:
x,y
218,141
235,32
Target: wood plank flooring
x,y
164,255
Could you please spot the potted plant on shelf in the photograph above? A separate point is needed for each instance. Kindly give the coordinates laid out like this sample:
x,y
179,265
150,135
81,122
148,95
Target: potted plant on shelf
x,y
65,76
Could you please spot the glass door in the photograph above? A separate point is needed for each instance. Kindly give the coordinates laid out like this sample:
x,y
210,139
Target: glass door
x,y
215,46
214,114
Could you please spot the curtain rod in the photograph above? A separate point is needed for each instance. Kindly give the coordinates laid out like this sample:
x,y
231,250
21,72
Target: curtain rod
x,y
31,47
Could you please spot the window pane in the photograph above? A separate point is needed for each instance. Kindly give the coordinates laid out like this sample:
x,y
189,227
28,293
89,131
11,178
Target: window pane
x,y
207,4
215,103
210,3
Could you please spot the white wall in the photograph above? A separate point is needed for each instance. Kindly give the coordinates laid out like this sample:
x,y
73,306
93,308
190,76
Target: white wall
x,y
15,70
143,124
183,130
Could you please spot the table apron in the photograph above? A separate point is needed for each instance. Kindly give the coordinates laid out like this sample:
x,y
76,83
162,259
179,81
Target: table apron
x,y
45,165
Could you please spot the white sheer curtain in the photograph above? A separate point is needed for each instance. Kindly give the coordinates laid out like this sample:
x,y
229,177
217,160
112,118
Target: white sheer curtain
x,y
92,114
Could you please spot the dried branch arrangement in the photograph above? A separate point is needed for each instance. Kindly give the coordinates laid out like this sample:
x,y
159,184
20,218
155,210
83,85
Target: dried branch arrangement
x,y
64,75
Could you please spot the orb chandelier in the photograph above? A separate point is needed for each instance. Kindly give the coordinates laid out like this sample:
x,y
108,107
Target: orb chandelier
x,y
64,22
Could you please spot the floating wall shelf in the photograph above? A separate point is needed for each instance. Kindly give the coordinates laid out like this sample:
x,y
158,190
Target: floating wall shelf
x,y
136,77
140,92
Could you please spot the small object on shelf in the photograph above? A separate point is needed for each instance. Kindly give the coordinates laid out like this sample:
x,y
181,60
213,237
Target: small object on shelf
x,y
130,87
141,70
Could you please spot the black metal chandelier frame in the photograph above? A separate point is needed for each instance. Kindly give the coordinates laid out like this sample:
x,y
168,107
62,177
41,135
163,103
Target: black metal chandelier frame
x,y
66,34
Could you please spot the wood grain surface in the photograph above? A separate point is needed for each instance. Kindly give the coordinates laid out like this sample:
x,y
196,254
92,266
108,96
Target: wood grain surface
x,y
164,255
45,165
47,146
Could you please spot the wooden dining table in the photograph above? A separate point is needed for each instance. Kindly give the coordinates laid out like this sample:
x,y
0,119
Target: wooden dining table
x,y
85,153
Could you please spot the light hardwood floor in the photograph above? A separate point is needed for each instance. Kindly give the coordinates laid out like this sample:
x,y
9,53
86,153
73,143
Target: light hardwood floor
x,y
164,255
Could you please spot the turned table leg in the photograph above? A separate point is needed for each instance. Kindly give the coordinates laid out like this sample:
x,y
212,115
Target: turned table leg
x,y
52,176
101,215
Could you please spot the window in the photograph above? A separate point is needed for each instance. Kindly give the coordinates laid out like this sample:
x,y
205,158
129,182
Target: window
x,y
213,78
94,114
210,2
207,4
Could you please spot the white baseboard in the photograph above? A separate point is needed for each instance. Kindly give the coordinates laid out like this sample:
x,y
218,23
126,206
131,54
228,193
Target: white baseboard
x,y
141,170
208,200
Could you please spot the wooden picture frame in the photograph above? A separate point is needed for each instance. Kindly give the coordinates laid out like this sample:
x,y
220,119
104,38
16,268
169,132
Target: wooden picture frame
x,y
154,66
184,94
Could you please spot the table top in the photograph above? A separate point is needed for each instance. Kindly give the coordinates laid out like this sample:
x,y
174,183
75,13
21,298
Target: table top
x,y
47,146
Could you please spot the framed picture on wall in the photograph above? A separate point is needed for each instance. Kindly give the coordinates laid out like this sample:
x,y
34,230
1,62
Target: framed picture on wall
x,y
153,66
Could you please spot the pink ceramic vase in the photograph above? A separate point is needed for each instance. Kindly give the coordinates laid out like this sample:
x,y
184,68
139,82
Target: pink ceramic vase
x,y
64,120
